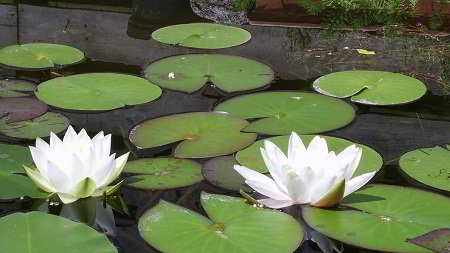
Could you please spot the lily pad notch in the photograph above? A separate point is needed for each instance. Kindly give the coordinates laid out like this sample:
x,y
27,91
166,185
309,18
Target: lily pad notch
x,y
39,56
228,73
371,87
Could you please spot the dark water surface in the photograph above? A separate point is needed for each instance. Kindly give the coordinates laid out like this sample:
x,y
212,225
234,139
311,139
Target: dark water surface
x,y
298,57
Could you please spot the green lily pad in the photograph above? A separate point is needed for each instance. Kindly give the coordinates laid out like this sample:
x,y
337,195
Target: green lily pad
x,y
37,127
13,157
97,91
281,113
219,172
437,240
371,87
164,173
429,166
41,232
233,226
19,109
202,134
252,159
202,35
39,55
382,217
16,88
16,186
191,72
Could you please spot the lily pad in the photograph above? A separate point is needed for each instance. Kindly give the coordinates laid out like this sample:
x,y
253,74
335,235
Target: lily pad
x,y
437,240
371,87
429,166
397,213
38,127
16,88
191,72
39,55
202,134
13,157
97,91
16,186
202,35
252,159
19,109
41,232
280,113
219,172
163,173
233,226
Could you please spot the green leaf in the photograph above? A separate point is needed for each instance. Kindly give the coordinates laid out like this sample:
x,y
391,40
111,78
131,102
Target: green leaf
x,y
191,72
16,88
371,87
437,240
97,91
18,109
37,127
252,159
202,134
429,166
202,35
233,226
163,173
13,157
382,217
41,232
280,113
219,172
15,186
39,55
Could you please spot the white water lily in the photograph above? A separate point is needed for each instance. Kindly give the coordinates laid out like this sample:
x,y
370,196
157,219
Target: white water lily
x,y
76,167
307,175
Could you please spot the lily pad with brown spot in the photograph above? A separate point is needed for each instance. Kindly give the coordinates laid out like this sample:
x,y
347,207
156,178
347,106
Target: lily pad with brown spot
x,y
20,109
16,88
201,134
219,172
163,173
37,127
382,218
188,73
36,56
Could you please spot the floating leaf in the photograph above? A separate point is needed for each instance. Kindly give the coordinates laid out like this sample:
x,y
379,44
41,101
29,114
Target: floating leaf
x,y
41,232
15,186
219,172
234,226
280,113
202,134
437,240
13,157
16,88
39,55
164,173
191,72
397,213
371,87
97,91
429,166
365,52
19,109
252,159
202,35
38,127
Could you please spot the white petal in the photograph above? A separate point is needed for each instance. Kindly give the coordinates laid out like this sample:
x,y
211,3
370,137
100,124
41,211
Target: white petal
x,y
296,151
70,135
357,182
269,190
101,174
320,189
276,204
42,145
39,180
55,142
83,138
106,145
57,178
353,164
299,185
277,171
115,173
66,198
318,147
40,160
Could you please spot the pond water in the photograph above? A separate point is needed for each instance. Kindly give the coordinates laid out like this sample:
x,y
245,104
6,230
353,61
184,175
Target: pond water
x,y
298,57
